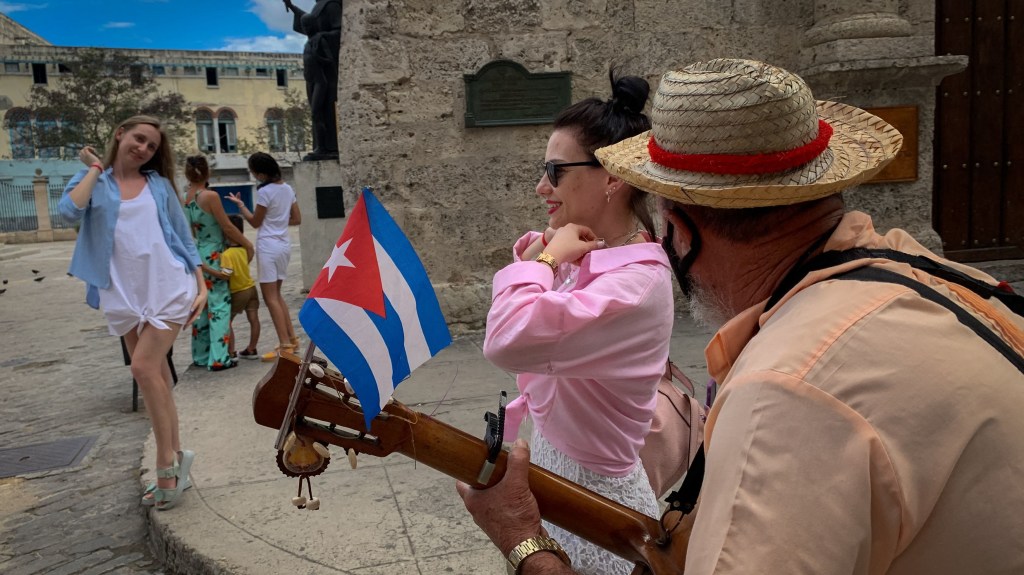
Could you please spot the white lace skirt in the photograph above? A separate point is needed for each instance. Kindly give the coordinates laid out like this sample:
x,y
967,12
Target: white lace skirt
x,y
633,491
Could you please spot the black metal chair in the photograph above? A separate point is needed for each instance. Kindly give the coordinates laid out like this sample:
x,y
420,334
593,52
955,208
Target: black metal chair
x,y
135,384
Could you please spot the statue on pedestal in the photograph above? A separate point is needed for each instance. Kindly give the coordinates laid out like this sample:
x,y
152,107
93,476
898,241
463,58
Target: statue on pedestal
x,y
322,26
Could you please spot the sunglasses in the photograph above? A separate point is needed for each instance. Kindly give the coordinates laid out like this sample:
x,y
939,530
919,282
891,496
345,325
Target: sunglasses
x,y
552,169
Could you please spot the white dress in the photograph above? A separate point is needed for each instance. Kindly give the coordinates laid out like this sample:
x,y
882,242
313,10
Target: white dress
x,y
634,491
147,283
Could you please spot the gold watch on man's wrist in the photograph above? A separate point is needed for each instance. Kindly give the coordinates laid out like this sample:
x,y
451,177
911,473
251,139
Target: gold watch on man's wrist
x,y
531,546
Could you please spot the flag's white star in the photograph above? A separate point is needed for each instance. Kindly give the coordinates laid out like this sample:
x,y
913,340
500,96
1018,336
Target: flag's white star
x,y
338,259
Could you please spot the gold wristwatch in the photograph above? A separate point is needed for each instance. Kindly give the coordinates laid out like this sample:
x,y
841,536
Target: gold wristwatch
x,y
531,546
546,258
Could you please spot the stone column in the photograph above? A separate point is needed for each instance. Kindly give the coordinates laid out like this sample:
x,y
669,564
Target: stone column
x,y
841,30
40,188
866,54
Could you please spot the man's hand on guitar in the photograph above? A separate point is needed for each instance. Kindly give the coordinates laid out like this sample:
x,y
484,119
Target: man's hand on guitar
x,y
508,512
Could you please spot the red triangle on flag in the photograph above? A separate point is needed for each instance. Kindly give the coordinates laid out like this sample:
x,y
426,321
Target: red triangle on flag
x,y
351,274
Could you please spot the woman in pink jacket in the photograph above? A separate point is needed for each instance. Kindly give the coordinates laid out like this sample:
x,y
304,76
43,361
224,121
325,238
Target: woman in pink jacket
x,y
584,316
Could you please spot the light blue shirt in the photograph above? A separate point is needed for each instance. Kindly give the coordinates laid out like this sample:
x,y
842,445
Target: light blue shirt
x,y
95,246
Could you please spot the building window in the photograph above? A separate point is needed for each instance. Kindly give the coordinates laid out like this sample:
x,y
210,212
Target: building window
x,y
18,122
282,78
159,70
136,74
204,132
263,72
296,137
11,67
48,132
63,69
226,135
230,71
38,73
275,130
211,78
190,70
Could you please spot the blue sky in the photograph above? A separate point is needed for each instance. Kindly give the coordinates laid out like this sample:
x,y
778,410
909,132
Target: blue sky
x,y
243,25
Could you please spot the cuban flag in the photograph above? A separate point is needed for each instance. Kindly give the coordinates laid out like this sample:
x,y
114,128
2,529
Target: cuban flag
x,y
372,309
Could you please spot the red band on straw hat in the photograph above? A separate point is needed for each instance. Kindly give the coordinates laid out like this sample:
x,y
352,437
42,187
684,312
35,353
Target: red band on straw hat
x,y
743,163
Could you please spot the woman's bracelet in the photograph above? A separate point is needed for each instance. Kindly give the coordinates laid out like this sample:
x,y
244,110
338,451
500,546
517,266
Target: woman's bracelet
x,y
543,240
96,165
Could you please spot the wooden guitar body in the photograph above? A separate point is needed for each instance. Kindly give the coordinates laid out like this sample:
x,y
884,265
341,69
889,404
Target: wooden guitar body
x,y
324,411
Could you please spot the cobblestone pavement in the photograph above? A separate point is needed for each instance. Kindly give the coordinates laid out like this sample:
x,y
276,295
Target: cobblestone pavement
x,y
62,376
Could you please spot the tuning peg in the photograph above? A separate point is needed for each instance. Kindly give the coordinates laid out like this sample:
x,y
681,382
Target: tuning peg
x,y
313,504
352,458
300,502
316,370
289,442
322,450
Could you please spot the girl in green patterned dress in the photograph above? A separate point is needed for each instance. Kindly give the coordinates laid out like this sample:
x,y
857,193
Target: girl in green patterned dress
x,y
211,332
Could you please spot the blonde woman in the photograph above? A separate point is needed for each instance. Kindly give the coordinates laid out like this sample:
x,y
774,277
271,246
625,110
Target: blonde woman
x,y
136,255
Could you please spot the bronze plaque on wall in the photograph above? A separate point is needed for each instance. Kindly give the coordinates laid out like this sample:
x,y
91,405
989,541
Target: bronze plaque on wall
x,y
904,167
504,93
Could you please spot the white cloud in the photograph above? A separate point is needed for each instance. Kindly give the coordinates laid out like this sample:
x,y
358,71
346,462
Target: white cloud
x,y
11,7
274,15
289,43
118,25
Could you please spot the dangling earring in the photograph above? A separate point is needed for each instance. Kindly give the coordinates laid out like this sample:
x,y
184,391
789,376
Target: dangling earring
x,y
608,196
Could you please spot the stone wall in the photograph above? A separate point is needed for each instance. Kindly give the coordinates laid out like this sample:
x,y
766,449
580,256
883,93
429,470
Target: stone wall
x,y
464,195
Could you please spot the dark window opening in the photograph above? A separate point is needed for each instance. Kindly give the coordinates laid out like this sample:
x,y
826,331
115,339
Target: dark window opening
x,y
135,74
282,78
211,77
39,73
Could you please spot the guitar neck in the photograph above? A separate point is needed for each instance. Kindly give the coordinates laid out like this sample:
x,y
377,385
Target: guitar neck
x,y
325,416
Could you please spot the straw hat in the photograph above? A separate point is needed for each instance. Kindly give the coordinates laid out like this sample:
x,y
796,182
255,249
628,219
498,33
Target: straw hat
x,y
744,134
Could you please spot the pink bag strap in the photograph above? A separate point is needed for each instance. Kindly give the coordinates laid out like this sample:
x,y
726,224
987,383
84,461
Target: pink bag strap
x,y
673,372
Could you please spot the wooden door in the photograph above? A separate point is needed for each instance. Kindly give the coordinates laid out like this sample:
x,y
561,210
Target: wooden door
x,y
979,131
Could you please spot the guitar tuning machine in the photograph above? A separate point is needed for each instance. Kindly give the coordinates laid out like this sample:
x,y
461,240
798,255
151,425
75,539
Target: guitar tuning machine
x,y
494,434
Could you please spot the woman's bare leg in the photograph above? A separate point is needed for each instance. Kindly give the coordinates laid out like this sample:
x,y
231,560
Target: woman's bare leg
x,y
278,311
148,351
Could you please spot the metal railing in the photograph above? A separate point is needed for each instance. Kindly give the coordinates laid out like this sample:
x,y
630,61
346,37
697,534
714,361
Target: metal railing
x,y
54,191
17,208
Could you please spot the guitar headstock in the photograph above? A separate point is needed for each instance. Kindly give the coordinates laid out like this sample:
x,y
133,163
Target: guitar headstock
x,y
326,410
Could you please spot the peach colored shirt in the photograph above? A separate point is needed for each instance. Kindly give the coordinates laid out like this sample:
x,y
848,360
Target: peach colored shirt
x,y
862,430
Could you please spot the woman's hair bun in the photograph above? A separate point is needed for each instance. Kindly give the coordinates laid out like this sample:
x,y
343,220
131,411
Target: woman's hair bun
x,y
629,93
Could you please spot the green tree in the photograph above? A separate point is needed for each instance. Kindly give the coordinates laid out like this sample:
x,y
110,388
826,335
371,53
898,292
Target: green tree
x,y
98,90
287,128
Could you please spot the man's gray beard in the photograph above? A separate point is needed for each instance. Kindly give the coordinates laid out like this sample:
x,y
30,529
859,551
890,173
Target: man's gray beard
x,y
707,308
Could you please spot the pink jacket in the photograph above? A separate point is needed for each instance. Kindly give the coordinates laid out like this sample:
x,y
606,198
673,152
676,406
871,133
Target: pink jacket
x,y
589,351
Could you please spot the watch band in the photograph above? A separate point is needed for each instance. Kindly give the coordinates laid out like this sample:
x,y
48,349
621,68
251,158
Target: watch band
x,y
546,258
531,546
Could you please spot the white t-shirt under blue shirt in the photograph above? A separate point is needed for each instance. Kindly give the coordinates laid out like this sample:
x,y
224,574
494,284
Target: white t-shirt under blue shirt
x,y
272,235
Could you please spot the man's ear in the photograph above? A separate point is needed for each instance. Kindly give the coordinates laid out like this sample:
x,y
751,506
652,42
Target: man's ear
x,y
682,235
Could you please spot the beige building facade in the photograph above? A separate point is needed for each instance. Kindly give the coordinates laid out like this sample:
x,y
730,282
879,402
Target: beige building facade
x,y
233,93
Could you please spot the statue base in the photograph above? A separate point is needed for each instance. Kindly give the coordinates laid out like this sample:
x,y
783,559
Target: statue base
x,y
320,156
317,234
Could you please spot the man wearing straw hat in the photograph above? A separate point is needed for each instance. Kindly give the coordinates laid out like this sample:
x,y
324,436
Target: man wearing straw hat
x,y
869,414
